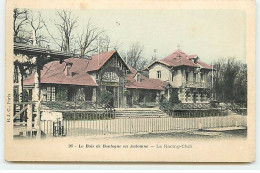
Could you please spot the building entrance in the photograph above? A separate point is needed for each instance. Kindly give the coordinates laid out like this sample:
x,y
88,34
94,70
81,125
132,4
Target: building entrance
x,y
111,90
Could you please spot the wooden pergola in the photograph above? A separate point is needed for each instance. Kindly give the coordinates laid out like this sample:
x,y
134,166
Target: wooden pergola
x,y
43,56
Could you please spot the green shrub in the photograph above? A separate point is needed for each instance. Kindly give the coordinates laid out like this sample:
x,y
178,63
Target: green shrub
x,y
106,97
174,98
16,95
126,93
61,93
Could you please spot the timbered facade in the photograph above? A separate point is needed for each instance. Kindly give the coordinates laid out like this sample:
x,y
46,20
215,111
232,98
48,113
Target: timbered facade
x,y
112,77
83,79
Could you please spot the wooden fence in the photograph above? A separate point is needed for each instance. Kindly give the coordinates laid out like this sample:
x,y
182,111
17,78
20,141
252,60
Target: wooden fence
x,y
101,124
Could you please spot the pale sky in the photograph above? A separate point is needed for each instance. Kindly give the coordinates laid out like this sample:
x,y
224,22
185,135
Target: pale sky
x,y
210,34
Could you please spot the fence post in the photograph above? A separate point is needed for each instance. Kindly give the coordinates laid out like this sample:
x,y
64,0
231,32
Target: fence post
x,y
29,118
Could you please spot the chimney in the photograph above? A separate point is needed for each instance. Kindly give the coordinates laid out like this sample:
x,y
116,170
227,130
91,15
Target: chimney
x,y
67,70
196,60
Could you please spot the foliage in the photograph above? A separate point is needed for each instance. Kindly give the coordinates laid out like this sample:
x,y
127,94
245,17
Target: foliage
x,y
126,93
166,105
61,93
80,94
135,102
106,97
230,81
68,105
25,95
16,95
174,98
148,96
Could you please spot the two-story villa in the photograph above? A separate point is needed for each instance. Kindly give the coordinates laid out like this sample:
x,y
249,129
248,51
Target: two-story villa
x,y
185,74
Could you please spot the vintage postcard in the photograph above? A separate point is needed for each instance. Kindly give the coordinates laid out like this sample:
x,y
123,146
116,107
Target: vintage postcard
x,y
130,81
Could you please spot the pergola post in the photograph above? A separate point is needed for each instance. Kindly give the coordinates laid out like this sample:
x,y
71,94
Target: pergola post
x,y
38,98
20,86
43,55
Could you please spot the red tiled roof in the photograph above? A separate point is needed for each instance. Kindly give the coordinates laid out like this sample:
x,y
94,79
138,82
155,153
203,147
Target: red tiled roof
x,y
53,73
204,65
145,83
178,58
201,63
98,60
191,56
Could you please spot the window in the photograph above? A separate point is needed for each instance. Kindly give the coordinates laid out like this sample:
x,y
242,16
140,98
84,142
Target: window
x,y
159,75
173,75
88,93
187,76
50,94
202,77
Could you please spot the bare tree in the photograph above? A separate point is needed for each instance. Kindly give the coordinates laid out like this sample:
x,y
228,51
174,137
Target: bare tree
x,y
36,23
20,19
134,57
65,23
104,43
87,40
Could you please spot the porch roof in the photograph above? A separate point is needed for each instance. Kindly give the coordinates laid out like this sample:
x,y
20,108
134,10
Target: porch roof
x,y
34,51
145,83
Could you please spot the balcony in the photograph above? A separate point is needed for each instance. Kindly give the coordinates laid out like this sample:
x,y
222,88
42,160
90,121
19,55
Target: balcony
x,y
196,85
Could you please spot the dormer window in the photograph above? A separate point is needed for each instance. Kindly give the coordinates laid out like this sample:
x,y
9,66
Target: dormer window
x,y
159,74
138,77
196,60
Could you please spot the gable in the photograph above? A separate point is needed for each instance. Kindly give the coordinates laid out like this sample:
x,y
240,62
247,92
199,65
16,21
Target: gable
x,y
116,61
159,65
101,60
